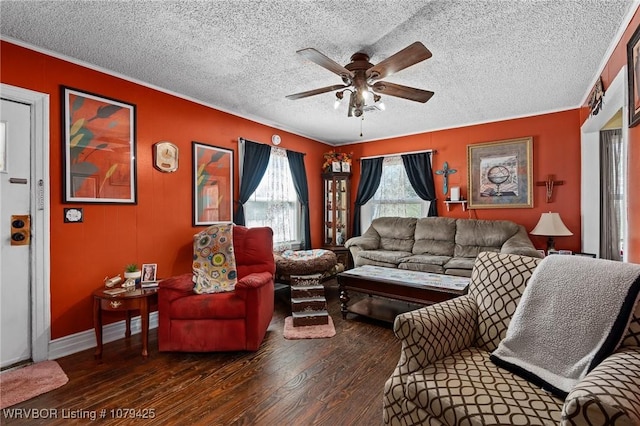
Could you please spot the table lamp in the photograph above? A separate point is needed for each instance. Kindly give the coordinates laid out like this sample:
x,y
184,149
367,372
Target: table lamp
x,y
550,225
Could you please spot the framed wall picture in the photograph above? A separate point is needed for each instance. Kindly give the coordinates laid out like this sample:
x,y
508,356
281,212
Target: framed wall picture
x,y
500,174
99,149
633,72
212,184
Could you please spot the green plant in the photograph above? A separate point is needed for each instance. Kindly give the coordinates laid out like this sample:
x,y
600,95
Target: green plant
x,y
132,267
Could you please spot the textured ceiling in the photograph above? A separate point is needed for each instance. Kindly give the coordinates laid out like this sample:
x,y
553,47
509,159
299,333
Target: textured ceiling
x,y
491,59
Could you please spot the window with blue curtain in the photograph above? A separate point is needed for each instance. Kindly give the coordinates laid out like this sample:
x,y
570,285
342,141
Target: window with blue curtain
x,y
275,203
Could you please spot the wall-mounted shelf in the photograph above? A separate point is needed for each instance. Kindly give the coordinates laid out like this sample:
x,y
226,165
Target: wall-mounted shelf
x,y
463,202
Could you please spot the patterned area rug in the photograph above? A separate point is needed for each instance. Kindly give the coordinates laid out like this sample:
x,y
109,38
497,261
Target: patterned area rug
x,y
308,331
27,382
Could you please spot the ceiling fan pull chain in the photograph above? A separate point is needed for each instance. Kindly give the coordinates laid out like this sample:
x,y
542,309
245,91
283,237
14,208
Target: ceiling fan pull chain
x,y
361,120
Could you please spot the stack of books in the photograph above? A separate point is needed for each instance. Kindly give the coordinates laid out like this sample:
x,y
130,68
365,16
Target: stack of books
x,y
149,284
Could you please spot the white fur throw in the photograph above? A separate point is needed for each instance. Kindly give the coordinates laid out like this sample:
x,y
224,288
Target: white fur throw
x,y
573,314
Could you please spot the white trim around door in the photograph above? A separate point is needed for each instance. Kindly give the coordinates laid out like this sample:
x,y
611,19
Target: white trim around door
x,y
40,211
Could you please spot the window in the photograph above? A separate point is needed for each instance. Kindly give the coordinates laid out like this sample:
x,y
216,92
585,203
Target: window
x,y
395,195
275,202
612,190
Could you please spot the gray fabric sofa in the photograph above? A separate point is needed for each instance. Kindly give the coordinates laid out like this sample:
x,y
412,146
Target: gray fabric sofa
x,y
437,244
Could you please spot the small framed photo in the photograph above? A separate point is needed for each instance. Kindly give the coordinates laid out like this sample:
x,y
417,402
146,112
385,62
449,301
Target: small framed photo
x,y
149,271
542,253
569,252
335,166
346,167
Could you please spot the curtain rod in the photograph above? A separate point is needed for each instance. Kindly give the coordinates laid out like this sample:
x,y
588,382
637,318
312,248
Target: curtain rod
x,y
433,151
241,139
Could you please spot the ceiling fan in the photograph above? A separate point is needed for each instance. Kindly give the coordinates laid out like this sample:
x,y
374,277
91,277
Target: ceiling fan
x,y
361,78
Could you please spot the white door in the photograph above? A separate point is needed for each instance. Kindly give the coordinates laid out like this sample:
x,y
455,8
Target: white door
x,y
15,191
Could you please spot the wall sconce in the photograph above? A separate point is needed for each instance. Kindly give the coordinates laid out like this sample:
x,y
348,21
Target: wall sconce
x,y
551,225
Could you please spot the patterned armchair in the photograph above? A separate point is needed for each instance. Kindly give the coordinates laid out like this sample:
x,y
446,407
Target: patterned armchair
x,y
226,321
445,377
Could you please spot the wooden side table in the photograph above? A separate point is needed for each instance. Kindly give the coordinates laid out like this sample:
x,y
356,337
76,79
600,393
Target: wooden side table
x,y
138,299
343,254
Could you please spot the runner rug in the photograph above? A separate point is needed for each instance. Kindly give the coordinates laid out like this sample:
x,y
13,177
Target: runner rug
x,y
27,382
308,331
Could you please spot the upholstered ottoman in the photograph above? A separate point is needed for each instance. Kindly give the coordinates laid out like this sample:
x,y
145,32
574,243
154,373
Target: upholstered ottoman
x,y
306,262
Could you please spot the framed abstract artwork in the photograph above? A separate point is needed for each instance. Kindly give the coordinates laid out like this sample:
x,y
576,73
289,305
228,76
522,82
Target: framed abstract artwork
x,y
633,72
212,184
99,149
500,174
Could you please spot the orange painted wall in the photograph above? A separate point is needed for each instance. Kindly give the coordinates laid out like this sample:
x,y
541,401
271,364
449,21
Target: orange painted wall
x,y
556,150
615,63
156,230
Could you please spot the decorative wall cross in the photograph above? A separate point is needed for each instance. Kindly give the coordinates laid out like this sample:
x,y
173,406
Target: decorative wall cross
x,y
445,172
549,184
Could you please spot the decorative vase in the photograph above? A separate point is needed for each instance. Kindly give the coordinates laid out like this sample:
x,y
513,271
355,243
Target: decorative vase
x,y
339,238
131,278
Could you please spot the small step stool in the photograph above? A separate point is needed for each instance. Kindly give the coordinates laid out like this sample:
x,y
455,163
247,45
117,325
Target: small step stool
x,y
308,302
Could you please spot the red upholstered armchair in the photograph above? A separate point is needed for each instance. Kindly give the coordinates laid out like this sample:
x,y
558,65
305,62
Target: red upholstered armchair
x,y
228,321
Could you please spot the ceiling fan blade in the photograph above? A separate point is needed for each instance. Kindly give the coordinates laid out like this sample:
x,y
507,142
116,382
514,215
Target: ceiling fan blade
x,y
408,56
316,91
319,58
400,91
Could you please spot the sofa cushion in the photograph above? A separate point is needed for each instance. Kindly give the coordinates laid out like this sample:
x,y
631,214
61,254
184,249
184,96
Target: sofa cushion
x,y
385,256
435,235
458,272
461,389
460,263
427,258
424,263
396,233
422,267
475,236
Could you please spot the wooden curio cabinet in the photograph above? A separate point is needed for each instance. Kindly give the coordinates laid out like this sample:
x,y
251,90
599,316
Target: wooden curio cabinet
x,y
337,217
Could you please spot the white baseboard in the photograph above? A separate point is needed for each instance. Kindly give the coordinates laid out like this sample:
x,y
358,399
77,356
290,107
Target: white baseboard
x,y
83,340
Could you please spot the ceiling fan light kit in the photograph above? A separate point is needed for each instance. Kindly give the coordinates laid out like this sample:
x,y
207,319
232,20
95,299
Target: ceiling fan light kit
x,y
360,78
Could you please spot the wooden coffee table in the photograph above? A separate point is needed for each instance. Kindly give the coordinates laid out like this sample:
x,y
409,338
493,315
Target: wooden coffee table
x,y
402,290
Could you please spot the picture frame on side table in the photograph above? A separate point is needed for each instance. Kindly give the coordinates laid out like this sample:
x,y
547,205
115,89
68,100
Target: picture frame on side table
x,y
500,174
633,73
99,148
149,272
212,184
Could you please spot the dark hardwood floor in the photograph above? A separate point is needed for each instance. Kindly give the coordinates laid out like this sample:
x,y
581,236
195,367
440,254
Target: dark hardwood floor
x,y
336,381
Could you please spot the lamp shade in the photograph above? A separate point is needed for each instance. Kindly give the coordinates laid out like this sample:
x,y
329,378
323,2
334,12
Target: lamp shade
x,y
550,225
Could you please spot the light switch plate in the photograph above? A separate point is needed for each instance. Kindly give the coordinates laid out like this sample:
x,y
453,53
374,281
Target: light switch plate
x,y
73,215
